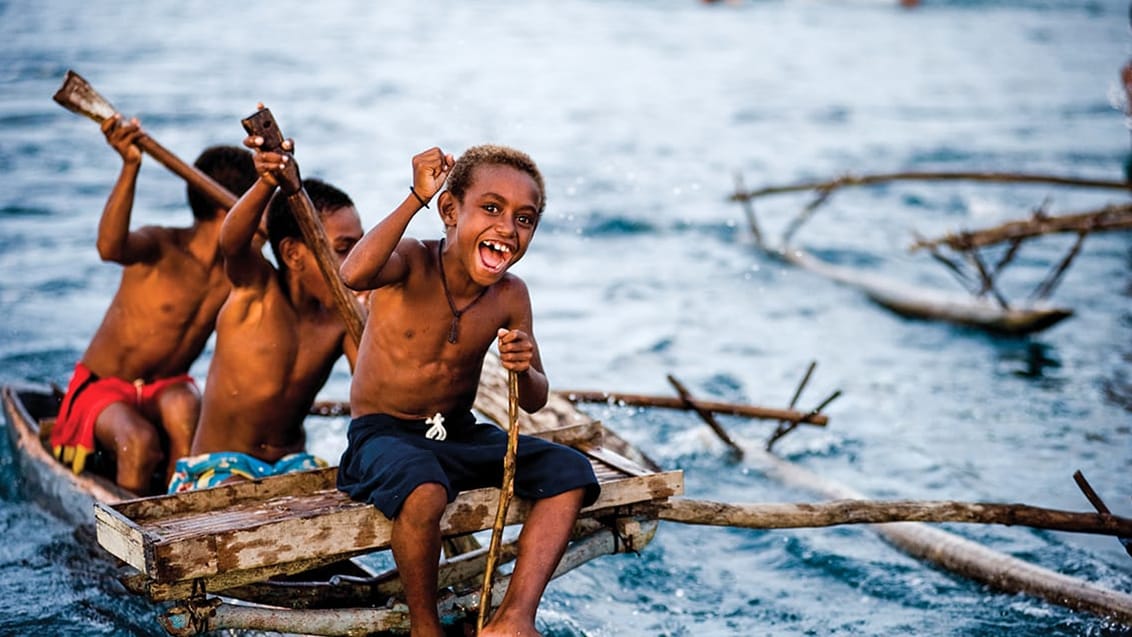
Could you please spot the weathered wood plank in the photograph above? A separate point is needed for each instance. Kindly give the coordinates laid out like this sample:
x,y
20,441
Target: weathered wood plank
x,y
295,532
588,433
118,535
163,506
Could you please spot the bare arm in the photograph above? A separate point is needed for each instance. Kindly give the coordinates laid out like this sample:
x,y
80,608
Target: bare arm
x,y
374,261
115,241
518,352
350,349
243,262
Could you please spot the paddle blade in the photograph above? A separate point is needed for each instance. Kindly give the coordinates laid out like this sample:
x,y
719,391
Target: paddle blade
x,y
78,96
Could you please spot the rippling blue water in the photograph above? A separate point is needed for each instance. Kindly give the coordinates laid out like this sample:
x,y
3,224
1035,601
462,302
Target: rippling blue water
x,y
640,115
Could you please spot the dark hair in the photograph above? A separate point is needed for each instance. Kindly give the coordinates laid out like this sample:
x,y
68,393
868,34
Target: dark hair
x,y
231,167
282,224
460,179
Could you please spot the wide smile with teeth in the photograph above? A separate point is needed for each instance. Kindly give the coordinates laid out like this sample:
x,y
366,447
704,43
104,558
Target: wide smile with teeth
x,y
495,256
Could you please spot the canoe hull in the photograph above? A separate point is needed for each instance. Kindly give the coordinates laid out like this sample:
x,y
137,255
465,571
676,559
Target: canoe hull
x,y
912,302
44,480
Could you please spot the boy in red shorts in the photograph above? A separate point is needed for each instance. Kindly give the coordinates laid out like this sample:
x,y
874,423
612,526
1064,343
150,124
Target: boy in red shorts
x,y
131,394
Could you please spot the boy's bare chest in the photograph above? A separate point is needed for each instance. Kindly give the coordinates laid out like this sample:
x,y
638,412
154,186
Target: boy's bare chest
x,y
424,318
299,341
175,288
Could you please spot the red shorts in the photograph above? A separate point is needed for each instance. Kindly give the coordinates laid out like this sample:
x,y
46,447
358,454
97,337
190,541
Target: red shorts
x,y
72,438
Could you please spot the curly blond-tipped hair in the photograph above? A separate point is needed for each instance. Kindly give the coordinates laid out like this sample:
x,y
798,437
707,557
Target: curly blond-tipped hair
x,y
461,176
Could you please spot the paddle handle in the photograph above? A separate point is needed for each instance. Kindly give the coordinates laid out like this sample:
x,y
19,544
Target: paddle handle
x,y
78,96
262,123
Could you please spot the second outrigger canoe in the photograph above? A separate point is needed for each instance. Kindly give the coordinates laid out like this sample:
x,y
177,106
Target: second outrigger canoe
x,y
918,303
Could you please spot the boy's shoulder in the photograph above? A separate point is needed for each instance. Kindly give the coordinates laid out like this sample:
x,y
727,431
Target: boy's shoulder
x,y
415,251
168,234
413,245
511,284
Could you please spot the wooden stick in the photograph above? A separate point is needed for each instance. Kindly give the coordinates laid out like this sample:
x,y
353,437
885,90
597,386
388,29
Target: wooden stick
x,y
785,426
993,177
78,96
505,494
839,512
342,408
668,402
779,433
706,416
263,124
1100,506
1110,217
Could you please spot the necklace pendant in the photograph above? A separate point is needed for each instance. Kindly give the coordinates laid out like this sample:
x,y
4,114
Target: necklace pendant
x,y
453,329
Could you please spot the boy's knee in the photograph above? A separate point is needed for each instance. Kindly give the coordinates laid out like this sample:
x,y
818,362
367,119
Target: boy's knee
x,y
141,447
425,504
180,407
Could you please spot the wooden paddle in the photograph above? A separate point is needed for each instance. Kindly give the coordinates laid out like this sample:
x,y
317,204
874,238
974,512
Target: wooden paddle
x,y
78,96
263,124
505,494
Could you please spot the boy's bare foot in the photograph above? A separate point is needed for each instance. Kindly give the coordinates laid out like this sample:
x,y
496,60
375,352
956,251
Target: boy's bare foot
x,y
502,627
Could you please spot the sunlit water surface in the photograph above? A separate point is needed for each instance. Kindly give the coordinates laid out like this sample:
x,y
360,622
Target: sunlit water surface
x,y
640,115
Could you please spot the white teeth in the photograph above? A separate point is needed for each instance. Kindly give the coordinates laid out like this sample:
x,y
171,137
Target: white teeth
x,y
498,246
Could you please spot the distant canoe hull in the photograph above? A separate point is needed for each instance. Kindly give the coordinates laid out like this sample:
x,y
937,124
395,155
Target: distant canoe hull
x,y
913,302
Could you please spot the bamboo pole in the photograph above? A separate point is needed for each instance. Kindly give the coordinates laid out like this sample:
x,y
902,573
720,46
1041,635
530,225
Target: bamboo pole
x,y
1110,217
992,177
853,511
669,402
506,492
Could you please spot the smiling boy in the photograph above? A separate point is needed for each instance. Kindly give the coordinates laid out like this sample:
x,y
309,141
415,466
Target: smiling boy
x,y
436,309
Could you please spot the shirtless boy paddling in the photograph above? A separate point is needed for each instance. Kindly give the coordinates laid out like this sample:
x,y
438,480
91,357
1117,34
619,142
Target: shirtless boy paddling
x,y
131,391
278,335
437,307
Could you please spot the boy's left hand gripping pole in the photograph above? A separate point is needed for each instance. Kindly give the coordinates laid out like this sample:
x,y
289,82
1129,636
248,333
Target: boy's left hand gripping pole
x,y
263,124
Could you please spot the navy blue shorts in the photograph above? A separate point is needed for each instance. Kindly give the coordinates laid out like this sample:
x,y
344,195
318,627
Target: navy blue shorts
x,y
386,458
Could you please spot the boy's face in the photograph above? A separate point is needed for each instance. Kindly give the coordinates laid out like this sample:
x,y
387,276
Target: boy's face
x,y
343,230
496,220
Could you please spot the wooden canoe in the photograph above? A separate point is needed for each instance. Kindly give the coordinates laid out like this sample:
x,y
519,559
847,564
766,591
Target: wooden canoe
x,y
228,556
30,411
68,496
914,302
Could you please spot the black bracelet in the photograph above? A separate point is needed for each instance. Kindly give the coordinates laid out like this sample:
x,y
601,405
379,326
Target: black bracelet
x,y
419,198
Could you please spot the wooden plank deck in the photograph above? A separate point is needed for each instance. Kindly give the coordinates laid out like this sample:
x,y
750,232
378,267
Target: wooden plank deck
x,y
245,532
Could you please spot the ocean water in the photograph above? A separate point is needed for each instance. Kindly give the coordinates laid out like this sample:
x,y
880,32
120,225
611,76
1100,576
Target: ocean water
x,y
640,115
